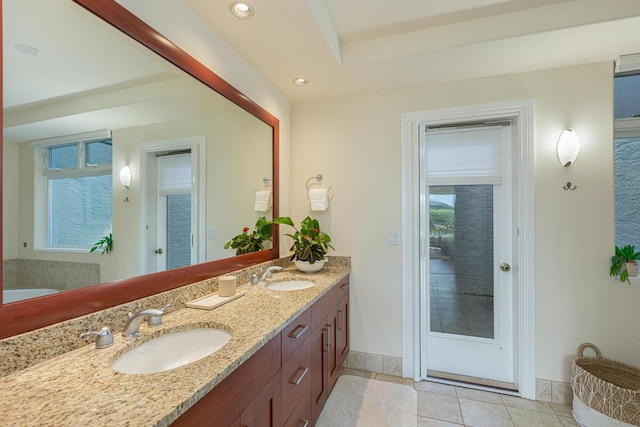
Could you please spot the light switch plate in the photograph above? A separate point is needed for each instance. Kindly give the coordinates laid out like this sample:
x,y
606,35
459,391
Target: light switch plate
x,y
393,237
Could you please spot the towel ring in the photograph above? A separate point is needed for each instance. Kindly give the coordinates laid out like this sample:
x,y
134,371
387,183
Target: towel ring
x,y
318,179
266,180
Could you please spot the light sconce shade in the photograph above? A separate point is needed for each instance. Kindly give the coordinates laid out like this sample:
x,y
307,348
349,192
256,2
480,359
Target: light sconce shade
x,y
125,176
568,147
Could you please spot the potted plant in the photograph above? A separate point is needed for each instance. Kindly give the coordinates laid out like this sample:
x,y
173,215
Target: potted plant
x,y
625,263
245,243
106,243
310,245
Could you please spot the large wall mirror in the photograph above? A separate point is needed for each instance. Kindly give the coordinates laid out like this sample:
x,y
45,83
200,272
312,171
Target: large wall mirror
x,y
91,93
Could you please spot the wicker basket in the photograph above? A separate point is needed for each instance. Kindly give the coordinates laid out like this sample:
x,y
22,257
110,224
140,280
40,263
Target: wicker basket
x,y
606,393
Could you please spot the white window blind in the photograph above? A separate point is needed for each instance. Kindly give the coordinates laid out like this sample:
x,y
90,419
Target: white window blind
x,y
174,173
464,156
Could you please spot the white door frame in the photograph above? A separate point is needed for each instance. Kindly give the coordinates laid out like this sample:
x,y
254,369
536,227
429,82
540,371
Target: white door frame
x,y
197,145
521,112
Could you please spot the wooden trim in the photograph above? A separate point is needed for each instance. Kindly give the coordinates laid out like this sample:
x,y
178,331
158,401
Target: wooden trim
x,y
24,316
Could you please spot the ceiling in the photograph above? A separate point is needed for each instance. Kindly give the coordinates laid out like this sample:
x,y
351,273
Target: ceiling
x,y
353,46
87,77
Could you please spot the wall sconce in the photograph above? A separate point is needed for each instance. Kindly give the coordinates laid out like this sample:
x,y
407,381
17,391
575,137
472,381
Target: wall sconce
x,y
125,176
568,147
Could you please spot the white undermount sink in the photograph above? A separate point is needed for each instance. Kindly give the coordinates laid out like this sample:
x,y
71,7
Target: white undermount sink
x,y
290,285
171,351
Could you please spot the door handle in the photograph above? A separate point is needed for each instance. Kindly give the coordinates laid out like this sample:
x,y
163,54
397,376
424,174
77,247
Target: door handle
x,y
158,251
505,267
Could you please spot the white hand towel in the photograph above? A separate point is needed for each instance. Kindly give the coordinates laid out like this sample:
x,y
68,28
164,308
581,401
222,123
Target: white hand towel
x,y
263,201
319,199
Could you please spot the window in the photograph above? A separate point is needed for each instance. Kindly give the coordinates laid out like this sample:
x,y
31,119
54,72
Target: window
x,y
626,159
73,193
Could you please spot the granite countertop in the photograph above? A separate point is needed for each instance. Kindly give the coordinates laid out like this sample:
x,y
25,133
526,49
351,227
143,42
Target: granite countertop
x,y
80,388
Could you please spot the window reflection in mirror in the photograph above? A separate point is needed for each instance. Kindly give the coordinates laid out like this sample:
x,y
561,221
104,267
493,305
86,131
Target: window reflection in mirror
x,y
627,158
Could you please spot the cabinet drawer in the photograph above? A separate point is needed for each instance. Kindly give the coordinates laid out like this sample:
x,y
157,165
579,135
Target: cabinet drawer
x,y
295,334
321,309
301,415
296,377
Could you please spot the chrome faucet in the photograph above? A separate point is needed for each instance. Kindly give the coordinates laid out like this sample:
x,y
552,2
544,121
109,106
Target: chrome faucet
x,y
132,327
268,273
157,320
104,337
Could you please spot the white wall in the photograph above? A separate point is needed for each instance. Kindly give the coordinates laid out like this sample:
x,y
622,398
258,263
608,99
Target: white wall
x,y
182,26
355,143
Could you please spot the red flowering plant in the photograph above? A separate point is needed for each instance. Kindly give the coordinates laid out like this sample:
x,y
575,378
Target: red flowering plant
x,y
309,243
245,243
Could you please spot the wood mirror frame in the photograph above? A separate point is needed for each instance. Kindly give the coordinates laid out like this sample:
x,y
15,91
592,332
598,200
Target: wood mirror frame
x,y
27,315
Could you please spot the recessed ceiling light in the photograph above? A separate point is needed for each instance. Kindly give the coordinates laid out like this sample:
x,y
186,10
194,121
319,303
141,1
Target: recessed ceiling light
x,y
27,50
241,9
301,81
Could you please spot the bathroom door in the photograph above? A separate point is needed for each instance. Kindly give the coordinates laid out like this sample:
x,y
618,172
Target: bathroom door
x,y
172,218
466,222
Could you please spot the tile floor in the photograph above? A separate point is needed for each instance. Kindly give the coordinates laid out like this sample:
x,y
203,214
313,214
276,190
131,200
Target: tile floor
x,y
441,405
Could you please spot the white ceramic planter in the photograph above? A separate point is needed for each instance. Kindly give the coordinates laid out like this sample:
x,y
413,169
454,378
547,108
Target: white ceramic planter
x,y
306,267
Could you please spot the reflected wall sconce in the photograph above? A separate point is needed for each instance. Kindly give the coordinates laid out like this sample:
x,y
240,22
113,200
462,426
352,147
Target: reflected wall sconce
x,y
568,147
125,179
125,176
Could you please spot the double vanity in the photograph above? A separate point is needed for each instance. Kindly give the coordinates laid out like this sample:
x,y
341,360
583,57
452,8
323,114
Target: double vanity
x,y
269,357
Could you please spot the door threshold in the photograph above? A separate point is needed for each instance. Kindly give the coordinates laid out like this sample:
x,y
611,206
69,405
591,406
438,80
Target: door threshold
x,y
473,382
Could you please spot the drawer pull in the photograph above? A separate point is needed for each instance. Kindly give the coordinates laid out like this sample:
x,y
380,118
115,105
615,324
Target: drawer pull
x,y
340,315
326,341
304,423
297,332
344,286
330,341
298,380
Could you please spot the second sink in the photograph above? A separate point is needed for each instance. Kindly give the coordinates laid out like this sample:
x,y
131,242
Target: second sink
x,y
290,285
171,351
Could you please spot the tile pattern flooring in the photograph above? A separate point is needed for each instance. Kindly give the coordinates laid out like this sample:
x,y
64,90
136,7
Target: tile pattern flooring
x,y
441,405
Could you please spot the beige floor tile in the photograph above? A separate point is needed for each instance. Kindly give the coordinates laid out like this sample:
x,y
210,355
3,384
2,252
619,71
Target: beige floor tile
x,y
562,410
430,422
531,405
482,414
432,387
394,379
526,418
569,422
357,373
439,406
479,395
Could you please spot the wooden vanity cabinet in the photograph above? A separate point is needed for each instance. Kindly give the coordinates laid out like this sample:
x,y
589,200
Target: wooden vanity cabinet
x,y
287,382
224,405
329,343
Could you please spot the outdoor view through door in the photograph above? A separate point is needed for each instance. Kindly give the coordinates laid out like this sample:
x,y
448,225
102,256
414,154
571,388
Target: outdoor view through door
x,y
467,222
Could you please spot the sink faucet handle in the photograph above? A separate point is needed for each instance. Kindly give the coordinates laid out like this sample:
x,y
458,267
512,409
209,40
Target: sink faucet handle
x,y
104,337
254,279
157,320
268,272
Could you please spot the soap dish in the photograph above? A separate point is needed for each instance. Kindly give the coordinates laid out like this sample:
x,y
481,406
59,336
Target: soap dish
x,y
211,301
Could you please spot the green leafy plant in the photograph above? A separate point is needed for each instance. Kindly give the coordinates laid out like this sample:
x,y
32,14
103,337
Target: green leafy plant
x,y
625,254
245,243
106,243
309,243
